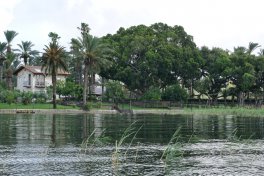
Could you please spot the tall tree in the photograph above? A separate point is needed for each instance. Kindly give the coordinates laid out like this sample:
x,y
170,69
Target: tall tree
x,y
252,47
151,56
93,53
10,35
53,61
76,62
242,72
10,57
26,52
9,67
215,71
3,47
258,87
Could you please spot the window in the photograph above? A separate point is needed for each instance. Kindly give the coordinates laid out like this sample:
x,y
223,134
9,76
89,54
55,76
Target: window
x,y
29,79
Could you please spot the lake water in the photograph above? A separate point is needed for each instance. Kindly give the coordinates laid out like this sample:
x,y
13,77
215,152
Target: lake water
x,y
89,145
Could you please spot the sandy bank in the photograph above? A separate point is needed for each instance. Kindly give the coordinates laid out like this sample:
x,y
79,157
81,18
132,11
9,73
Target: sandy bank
x,y
73,111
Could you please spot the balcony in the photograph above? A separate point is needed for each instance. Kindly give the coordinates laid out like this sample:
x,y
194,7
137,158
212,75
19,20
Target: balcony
x,y
40,84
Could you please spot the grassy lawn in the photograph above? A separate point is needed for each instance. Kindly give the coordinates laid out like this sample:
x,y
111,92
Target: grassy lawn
x,y
238,111
108,106
222,110
34,106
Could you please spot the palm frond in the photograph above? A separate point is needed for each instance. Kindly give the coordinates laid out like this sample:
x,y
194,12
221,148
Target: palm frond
x,y
10,35
53,58
3,47
252,46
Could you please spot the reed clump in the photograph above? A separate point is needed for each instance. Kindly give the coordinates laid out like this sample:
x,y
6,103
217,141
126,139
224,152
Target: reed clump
x,y
91,141
117,155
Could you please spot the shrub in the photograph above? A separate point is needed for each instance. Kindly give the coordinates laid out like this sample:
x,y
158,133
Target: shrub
x,y
98,105
152,94
40,97
114,91
26,97
175,93
87,106
3,96
10,97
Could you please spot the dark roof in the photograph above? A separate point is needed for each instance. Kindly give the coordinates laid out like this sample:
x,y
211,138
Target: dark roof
x,y
37,70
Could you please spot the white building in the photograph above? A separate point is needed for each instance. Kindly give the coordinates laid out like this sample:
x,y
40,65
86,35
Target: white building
x,y
32,78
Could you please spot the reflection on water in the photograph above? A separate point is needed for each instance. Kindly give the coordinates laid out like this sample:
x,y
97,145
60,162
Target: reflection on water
x,y
33,144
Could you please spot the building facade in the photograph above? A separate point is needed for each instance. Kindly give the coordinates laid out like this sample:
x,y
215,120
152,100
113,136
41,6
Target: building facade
x,y
32,78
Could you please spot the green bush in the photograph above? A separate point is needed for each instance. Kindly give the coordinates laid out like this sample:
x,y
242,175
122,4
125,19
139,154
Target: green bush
x,y
69,89
2,96
26,97
92,98
114,91
40,97
174,93
152,94
10,97
97,105
87,107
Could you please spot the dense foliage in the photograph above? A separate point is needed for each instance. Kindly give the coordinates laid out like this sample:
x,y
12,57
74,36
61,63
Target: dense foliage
x,y
175,93
154,56
156,62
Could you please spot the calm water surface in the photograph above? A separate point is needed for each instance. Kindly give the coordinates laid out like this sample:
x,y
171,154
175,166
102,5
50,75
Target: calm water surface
x,y
205,145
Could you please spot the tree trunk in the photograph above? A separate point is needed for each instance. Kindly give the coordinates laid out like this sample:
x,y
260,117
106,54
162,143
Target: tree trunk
x,y
25,60
54,91
191,89
233,100
1,73
241,98
78,74
103,85
85,84
2,59
90,80
9,75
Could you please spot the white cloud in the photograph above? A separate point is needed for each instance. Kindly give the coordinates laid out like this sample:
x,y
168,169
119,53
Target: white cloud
x,y
73,3
6,14
220,23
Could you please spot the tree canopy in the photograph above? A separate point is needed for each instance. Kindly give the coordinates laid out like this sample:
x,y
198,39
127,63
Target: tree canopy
x,y
150,56
152,62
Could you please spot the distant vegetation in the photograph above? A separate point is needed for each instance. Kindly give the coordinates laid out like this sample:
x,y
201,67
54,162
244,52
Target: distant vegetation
x,y
156,62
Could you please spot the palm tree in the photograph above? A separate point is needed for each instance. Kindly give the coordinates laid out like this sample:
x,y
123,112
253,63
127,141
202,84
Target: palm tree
x,y
93,53
26,52
251,47
261,52
76,62
53,61
3,47
10,35
9,67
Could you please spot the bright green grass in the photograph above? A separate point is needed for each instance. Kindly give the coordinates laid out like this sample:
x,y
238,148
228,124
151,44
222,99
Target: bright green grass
x,y
237,111
34,106
120,105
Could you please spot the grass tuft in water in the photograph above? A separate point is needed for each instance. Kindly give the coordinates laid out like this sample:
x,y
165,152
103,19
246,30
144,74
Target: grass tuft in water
x,y
172,144
91,141
117,155
174,149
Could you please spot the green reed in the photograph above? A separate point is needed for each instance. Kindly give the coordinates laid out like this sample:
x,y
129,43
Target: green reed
x,y
130,131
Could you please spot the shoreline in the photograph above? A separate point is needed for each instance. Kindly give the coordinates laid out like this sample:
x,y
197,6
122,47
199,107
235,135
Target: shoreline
x,y
244,112
93,111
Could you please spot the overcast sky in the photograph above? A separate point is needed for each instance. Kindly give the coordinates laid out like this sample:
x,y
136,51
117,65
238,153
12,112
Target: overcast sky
x,y
213,23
